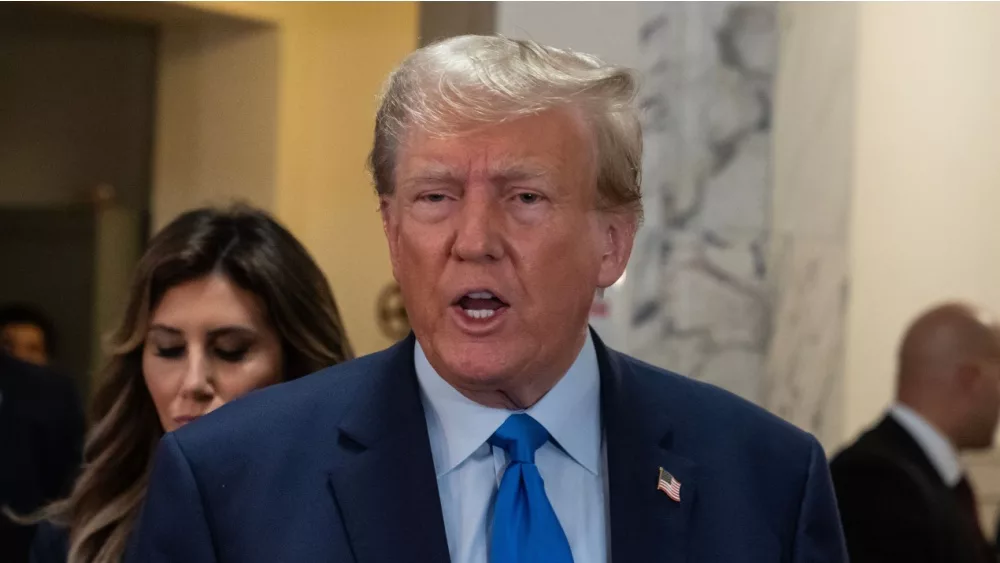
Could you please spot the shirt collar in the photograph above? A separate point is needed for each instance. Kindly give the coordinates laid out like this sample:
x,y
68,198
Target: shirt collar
x,y
570,411
936,446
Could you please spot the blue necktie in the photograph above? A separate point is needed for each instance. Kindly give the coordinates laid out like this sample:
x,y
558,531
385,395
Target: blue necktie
x,y
525,528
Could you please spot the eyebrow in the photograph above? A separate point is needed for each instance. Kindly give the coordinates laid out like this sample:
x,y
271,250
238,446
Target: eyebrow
x,y
221,331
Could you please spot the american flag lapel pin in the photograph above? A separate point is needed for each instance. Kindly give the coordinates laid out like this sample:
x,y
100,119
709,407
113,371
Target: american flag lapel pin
x,y
669,485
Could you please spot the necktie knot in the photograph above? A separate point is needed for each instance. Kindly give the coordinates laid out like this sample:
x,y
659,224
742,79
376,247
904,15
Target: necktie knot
x,y
520,436
525,526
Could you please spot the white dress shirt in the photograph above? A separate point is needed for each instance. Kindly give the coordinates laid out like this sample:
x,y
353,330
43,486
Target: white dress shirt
x,y
935,445
469,470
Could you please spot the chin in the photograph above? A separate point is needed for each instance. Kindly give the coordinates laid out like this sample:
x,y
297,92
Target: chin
x,y
476,365
487,361
983,445
982,442
475,369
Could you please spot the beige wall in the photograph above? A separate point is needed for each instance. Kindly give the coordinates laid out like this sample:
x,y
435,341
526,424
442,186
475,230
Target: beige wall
x,y
281,113
926,193
76,107
887,121
217,113
333,68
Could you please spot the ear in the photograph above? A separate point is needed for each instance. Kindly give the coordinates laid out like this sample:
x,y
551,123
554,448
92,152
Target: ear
x,y
968,375
616,239
390,226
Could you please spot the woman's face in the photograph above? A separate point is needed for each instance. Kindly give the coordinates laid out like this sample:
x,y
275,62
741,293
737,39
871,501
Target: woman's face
x,y
209,342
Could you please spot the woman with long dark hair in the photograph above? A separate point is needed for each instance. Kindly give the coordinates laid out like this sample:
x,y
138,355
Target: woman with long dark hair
x,y
223,302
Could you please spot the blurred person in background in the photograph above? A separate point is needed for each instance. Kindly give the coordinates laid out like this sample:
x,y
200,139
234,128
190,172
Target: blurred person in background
x,y
27,334
902,491
223,302
41,440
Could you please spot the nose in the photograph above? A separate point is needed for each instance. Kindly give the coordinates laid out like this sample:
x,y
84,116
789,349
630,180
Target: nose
x,y
199,377
478,237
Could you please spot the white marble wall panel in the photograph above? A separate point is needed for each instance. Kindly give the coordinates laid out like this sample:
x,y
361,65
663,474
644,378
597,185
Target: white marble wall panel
x,y
697,285
808,267
804,367
739,275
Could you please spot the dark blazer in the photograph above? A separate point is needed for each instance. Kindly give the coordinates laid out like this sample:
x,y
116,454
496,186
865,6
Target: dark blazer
x,y
41,444
996,539
895,506
51,544
336,467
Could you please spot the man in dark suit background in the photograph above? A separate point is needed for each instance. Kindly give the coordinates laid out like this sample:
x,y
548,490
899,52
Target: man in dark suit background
x,y
902,491
502,429
27,334
41,443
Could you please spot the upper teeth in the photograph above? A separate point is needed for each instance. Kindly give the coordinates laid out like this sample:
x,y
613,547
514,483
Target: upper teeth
x,y
481,295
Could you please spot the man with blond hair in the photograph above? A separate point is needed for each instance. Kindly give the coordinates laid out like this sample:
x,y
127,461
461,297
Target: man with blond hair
x,y
502,430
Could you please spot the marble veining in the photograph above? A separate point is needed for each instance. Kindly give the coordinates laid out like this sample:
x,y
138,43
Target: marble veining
x,y
697,284
739,275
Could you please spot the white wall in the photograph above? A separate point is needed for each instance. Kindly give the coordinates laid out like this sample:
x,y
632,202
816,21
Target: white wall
x,y
605,29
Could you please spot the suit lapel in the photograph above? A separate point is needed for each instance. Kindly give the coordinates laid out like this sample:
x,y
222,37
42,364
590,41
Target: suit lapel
x,y
646,525
383,480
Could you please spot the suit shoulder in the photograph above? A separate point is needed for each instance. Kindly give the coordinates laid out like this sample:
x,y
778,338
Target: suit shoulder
x,y
278,411
865,480
44,395
869,459
734,443
876,446
706,408
50,544
867,465
33,376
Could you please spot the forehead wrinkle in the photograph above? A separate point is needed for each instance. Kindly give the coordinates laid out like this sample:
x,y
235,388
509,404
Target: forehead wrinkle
x,y
503,170
513,166
500,164
432,170
460,157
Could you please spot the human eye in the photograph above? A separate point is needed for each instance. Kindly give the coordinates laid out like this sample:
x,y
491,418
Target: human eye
x,y
168,352
528,198
234,355
432,197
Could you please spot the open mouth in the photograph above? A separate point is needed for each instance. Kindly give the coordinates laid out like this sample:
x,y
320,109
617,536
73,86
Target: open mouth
x,y
480,305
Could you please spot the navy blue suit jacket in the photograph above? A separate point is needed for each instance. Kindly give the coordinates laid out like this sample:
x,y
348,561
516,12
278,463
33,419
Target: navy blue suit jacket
x,y
336,467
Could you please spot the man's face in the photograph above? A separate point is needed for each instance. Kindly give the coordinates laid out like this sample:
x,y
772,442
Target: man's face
x,y
25,342
986,410
498,247
981,409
